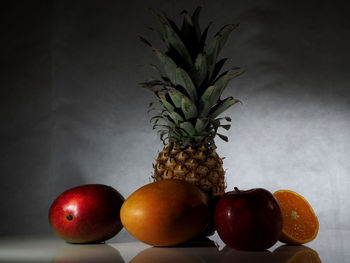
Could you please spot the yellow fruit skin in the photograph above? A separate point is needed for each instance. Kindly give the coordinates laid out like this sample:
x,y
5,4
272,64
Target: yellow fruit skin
x,y
165,213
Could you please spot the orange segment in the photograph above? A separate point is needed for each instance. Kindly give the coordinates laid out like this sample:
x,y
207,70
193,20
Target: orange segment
x,y
300,224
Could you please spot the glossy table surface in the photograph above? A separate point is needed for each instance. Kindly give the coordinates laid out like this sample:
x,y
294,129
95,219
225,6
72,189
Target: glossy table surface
x,y
330,246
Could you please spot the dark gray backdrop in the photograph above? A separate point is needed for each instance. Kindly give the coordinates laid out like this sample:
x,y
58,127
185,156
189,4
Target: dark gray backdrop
x,y
71,111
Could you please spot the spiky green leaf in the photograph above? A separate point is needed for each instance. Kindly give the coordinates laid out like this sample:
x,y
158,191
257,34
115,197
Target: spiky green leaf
x,y
184,80
172,39
187,127
161,134
169,122
223,118
217,68
158,16
223,35
145,41
195,21
200,69
222,106
165,102
164,116
188,108
226,126
156,69
168,64
206,101
201,124
173,26
176,117
176,96
221,84
214,47
223,137
156,126
203,39
187,26
152,83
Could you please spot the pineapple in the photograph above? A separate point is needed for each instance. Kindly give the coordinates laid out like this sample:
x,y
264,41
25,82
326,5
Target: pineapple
x,y
188,90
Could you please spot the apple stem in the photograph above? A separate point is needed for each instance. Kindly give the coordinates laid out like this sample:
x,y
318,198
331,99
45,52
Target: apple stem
x,y
236,189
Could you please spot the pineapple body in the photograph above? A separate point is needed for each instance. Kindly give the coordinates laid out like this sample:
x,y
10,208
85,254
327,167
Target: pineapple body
x,y
200,166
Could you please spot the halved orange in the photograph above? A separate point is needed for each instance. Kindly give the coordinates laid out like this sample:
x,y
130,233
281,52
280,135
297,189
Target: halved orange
x,y
300,224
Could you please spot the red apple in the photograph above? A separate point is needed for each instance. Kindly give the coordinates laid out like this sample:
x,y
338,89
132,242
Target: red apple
x,y
248,220
87,214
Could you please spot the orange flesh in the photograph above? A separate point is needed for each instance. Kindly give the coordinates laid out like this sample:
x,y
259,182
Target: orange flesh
x,y
300,224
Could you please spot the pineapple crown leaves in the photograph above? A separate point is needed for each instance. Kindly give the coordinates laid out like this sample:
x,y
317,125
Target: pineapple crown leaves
x,y
190,88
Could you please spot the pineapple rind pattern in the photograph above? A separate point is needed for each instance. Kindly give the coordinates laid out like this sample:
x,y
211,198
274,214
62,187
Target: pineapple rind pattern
x,y
201,167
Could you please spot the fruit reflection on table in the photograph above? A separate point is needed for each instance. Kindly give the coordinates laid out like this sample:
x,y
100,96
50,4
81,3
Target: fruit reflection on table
x,y
296,254
74,253
282,254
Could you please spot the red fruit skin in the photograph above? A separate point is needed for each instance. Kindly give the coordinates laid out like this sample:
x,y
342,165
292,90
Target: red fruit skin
x,y
87,214
248,220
